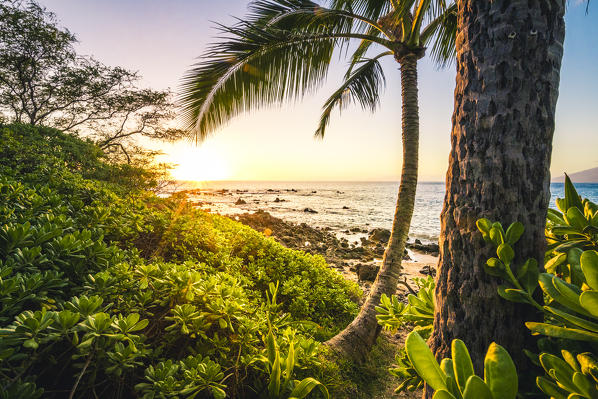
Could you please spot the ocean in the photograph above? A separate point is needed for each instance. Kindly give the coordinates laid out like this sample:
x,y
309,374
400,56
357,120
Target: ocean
x,y
340,206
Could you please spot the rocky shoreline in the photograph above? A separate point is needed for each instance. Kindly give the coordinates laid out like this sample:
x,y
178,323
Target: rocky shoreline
x,y
358,262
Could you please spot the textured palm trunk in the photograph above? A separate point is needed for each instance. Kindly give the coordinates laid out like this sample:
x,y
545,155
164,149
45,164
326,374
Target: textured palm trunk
x,y
508,63
357,339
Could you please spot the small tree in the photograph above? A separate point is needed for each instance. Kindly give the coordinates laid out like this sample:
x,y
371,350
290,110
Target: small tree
x,y
44,81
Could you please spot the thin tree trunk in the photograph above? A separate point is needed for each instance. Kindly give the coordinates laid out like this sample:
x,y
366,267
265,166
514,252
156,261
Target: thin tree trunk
x,y
357,339
508,63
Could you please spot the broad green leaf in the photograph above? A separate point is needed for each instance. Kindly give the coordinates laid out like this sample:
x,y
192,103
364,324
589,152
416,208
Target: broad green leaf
x,y
442,394
274,384
500,374
290,363
555,217
586,362
512,294
505,253
578,321
462,365
584,385
514,232
551,265
589,301
569,295
550,388
496,236
576,218
271,349
475,388
484,225
572,198
424,362
303,388
570,359
529,280
589,267
561,332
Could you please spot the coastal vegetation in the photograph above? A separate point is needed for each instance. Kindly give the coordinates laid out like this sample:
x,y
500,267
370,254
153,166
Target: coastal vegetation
x,y
110,291
564,358
284,49
112,288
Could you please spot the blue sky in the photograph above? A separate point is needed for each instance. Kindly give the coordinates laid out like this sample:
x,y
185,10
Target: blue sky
x,y
161,39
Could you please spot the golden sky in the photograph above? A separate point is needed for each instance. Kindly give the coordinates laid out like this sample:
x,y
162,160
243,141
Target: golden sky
x,y
161,39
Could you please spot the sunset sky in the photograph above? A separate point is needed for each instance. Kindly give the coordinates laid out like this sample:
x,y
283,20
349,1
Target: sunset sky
x,y
161,39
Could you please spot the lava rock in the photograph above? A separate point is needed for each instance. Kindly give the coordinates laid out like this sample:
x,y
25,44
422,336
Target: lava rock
x,y
428,271
431,249
379,235
367,272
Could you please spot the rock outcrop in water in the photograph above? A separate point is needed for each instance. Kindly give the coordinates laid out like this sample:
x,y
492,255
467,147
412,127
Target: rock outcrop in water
x,y
306,238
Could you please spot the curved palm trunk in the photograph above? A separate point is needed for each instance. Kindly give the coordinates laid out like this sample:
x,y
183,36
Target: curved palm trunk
x,y
356,340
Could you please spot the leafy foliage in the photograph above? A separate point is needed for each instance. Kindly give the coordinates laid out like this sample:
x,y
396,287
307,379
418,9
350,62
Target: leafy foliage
x,y
284,48
570,288
418,314
110,291
455,377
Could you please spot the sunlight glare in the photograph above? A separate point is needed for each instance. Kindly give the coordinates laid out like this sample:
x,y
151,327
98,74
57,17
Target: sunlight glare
x,y
199,164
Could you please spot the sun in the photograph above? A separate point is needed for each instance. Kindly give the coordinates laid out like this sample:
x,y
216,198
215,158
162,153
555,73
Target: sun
x,y
199,164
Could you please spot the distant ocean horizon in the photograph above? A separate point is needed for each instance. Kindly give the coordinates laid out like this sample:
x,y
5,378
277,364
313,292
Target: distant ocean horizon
x,y
338,205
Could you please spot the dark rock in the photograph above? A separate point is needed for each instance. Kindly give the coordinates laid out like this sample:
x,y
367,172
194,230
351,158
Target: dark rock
x,y
431,249
379,235
345,207
279,200
309,210
367,272
428,271
355,230
418,241
240,201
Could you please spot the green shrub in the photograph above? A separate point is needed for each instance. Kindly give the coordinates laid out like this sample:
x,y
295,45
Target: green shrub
x,y
418,314
109,291
455,378
570,293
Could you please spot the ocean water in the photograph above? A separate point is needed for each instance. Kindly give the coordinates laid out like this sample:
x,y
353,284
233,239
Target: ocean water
x,y
340,206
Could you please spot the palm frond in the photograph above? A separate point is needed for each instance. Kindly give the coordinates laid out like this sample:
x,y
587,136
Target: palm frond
x,y
361,86
419,15
255,66
442,34
373,9
360,51
308,16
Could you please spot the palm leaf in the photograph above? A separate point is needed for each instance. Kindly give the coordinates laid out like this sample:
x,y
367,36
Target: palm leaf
x,y
373,9
254,66
442,34
362,49
308,16
361,86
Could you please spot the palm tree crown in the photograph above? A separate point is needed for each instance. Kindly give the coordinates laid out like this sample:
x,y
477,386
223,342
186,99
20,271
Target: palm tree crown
x,y
284,48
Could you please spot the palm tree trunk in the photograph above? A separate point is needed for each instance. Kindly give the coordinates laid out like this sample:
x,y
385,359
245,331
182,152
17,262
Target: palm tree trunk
x,y
508,64
356,340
